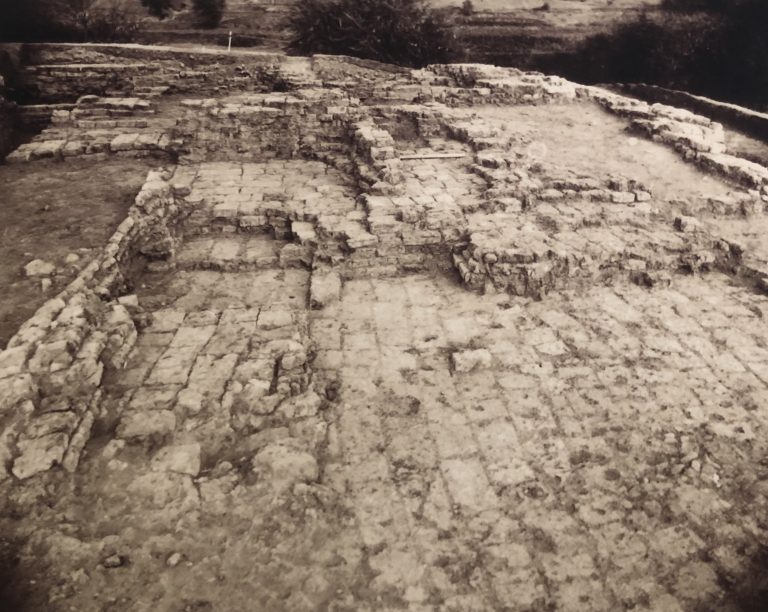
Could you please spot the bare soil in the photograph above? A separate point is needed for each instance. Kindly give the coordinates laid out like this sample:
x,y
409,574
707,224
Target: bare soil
x,y
743,145
585,139
50,210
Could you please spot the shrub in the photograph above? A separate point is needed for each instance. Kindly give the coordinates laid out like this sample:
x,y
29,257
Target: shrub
x,y
468,8
67,20
158,8
208,13
403,32
106,22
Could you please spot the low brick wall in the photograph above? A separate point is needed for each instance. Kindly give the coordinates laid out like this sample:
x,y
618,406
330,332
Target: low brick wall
x,y
752,122
36,117
64,53
492,85
61,73
62,83
697,138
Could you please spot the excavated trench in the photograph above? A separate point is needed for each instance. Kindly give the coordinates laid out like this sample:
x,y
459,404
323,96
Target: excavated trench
x,y
301,408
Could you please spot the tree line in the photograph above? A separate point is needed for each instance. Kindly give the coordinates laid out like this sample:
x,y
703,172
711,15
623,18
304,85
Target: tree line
x,y
717,48
91,20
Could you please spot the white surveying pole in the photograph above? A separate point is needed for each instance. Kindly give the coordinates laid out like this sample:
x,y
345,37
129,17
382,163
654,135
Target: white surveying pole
x,y
229,45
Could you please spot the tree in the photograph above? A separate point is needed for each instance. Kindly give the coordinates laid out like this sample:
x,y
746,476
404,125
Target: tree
x,y
403,32
105,22
716,48
736,60
208,12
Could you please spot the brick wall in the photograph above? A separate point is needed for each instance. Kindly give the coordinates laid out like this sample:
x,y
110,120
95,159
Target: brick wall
x,y
61,73
52,369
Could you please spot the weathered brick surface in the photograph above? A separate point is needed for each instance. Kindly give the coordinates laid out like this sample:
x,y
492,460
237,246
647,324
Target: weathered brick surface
x,y
305,395
573,435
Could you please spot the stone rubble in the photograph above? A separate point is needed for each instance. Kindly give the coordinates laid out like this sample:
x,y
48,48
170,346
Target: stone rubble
x,y
38,267
467,361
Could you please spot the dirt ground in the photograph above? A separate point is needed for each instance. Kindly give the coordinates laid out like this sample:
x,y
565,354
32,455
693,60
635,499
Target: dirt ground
x,y
593,142
56,212
745,146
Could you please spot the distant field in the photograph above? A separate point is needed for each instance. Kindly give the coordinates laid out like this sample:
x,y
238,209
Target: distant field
x,y
521,33
253,24
564,12
505,32
507,5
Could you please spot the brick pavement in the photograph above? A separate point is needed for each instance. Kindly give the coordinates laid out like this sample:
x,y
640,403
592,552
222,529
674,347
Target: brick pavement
x,y
595,461
598,450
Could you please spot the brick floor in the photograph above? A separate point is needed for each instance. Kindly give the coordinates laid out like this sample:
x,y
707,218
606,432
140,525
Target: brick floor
x,y
607,440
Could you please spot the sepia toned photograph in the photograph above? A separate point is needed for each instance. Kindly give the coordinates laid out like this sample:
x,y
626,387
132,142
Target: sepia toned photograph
x,y
384,305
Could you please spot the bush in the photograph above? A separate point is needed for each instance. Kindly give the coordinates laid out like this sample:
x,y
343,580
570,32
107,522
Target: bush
x,y
468,8
208,13
403,32
158,8
109,22
67,20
